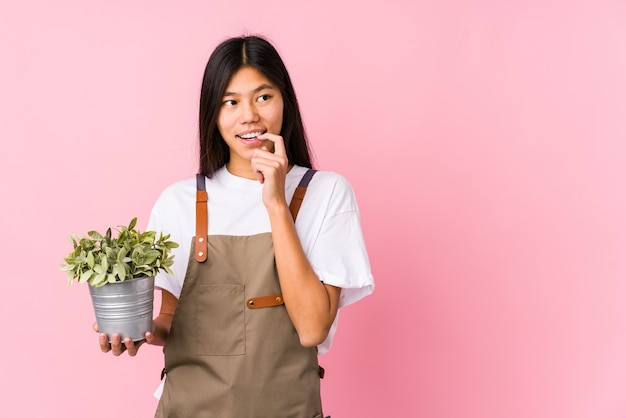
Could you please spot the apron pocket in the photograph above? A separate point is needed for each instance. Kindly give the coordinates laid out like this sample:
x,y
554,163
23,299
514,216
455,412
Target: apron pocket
x,y
220,328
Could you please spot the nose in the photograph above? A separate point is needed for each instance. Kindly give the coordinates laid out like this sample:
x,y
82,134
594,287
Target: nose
x,y
248,113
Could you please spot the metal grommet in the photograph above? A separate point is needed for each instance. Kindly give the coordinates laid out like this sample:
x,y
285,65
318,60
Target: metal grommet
x,y
200,239
278,299
200,254
251,303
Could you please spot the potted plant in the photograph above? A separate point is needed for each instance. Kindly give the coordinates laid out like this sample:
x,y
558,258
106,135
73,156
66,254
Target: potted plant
x,y
120,271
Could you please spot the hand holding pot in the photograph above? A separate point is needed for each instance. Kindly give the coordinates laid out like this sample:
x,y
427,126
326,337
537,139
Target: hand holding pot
x,y
117,346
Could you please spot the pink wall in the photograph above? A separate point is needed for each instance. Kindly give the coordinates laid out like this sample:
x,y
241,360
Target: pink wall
x,y
486,143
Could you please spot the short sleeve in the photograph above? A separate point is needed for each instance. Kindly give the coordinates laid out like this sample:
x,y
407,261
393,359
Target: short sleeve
x,y
340,258
338,254
157,222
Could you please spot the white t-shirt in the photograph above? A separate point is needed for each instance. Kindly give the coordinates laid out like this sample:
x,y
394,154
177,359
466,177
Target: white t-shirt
x,y
328,226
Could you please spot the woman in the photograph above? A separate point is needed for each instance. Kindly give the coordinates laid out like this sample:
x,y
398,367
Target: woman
x,y
261,270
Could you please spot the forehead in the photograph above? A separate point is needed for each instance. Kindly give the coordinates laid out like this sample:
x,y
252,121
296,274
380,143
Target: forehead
x,y
247,79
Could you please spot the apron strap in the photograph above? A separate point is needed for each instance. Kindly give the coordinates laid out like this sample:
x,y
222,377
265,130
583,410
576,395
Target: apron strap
x,y
298,195
202,219
202,213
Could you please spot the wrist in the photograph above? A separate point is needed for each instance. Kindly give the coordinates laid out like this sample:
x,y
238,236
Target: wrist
x,y
277,209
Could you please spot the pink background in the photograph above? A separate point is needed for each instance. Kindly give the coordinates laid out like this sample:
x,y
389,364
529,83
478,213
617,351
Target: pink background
x,y
485,141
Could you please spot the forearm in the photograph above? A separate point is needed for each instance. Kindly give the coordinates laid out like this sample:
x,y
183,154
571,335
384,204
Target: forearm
x,y
161,328
311,305
162,323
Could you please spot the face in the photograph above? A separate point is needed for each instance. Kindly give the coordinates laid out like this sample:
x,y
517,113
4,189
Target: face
x,y
251,106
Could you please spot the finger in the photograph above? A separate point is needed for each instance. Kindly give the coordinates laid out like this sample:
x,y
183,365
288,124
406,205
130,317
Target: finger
x,y
116,345
131,346
149,337
95,327
260,158
262,154
279,143
262,161
104,343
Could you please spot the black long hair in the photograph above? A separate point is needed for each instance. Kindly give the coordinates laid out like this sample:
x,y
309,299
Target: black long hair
x,y
225,61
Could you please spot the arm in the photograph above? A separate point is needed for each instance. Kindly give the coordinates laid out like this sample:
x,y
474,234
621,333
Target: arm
x,y
162,323
160,330
311,305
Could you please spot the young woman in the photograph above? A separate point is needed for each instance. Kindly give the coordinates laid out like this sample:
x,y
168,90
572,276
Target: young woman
x,y
270,250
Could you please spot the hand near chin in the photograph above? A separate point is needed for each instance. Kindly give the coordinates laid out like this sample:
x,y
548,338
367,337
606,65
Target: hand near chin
x,y
271,169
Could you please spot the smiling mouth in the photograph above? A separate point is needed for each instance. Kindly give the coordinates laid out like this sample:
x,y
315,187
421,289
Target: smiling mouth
x,y
250,136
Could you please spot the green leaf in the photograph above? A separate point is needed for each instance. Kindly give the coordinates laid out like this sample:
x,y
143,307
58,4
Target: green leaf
x,y
86,244
67,267
132,224
85,276
152,256
98,279
90,259
122,254
119,271
95,235
111,253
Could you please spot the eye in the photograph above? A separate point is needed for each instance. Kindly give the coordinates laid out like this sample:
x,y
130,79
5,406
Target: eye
x,y
264,98
229,102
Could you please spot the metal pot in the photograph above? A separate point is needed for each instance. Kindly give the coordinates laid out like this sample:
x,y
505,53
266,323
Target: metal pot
x,y
124,307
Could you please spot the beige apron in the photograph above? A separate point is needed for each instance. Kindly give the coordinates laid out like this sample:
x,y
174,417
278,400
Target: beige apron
x,y
232,351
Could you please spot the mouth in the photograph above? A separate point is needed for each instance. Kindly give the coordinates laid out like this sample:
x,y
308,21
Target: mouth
x,y
250,137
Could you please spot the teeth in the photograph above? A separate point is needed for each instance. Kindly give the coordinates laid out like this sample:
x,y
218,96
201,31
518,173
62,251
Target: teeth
x,y
250,135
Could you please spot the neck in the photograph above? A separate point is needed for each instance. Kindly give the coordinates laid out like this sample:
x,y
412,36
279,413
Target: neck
x,y
241,170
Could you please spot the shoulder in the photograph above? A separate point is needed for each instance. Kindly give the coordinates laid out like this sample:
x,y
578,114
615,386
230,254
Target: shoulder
x,y
330,179
330,189
322,179
178,191
176,199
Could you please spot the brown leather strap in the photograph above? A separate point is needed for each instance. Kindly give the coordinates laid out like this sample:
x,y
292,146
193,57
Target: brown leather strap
x,y
298,194
265,301
202,219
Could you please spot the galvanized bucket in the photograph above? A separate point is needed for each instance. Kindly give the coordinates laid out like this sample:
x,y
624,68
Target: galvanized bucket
x,y
124,307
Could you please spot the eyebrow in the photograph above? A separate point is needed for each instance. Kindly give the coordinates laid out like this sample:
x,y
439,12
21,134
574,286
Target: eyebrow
x,y
256,90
